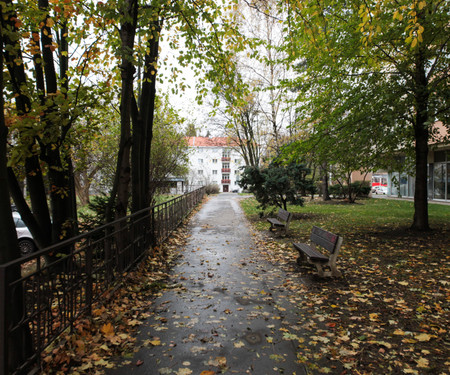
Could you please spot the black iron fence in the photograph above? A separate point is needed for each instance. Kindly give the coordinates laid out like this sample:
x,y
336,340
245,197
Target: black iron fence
x,y
44,293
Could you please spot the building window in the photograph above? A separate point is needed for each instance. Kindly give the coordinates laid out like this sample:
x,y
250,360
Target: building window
x,y
236,172
439,180
237,161
226,165
200,172
214,171
200,161
440,175
225,177
214,160
226,153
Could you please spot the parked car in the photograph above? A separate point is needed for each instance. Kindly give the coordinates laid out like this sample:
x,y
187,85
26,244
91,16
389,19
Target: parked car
x,y
379,190
26,241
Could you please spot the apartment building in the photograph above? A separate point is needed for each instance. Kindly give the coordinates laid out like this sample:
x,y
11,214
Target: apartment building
x,y
214,161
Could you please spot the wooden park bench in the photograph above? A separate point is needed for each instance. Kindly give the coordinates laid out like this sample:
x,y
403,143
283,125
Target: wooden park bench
x,y
281,221
325,264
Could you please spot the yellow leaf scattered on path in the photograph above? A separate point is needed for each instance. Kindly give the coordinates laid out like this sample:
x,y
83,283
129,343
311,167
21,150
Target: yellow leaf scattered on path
x,y
239,344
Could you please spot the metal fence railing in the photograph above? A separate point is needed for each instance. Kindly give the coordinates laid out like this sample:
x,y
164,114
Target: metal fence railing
x,y
44,293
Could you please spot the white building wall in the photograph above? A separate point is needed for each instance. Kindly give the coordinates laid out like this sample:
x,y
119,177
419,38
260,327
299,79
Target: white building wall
x,y
206,167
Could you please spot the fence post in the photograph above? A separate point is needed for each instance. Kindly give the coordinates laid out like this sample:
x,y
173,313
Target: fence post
x,y
89,286
3,323
153,228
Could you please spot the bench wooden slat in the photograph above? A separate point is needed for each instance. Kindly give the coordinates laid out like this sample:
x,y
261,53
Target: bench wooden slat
x,y
284,215
313,254
326,265
276,222
324,238
281,221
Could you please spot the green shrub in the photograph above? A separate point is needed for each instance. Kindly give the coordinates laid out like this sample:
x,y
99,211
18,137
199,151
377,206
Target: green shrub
x,y
358,189
362,188
95,216
336,191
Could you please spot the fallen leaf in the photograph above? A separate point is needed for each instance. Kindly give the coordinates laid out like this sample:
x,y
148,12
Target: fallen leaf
x,y
107,329
239,344
422,362
423,337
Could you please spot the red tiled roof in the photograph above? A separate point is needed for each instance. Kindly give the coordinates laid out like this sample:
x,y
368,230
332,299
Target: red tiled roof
x,y
209,142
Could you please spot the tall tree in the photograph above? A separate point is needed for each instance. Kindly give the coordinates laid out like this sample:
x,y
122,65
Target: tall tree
x,y
18,343
169,153
47,102
264,66
244,126
207,44
372,65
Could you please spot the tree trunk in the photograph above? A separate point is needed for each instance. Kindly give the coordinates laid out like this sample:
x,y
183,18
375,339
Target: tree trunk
x,y
420,221
61,194
324,179
34,176
18,345
143,126
82,187
123,172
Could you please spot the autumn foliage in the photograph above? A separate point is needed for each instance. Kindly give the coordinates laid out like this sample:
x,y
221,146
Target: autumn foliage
x,y
387,314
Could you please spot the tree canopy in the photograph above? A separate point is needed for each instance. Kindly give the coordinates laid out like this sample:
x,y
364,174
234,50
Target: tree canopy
x,y
372,78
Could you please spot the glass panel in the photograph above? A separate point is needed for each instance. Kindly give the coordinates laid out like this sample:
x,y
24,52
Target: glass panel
x,y
404,186
439,182
430,181
394,184
20,224
411,186
448,180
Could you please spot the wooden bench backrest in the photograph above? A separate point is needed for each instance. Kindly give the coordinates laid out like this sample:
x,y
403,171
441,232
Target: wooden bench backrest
x,y
324,238
284,215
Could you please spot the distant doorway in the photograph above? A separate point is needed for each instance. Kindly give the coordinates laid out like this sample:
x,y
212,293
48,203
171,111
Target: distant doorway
x,y
225,188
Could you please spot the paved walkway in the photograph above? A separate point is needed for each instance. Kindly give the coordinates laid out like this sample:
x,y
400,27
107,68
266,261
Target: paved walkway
x,y
226,310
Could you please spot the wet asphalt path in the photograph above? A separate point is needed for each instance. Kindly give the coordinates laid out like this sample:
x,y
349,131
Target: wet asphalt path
x,y
225,311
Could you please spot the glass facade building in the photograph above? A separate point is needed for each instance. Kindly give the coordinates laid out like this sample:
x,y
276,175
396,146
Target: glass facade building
x,y
438,178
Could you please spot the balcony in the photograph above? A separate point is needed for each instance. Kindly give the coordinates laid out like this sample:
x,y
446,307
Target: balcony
x,y
226,170
226,181
225,158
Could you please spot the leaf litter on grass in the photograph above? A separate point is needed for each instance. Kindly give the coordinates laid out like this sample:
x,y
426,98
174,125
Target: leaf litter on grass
x,y
388,314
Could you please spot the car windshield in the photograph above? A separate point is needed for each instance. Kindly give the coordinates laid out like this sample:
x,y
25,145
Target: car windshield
x,y
20,223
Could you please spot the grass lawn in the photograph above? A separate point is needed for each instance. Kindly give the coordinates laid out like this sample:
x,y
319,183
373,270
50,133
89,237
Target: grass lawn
x,y
389,313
